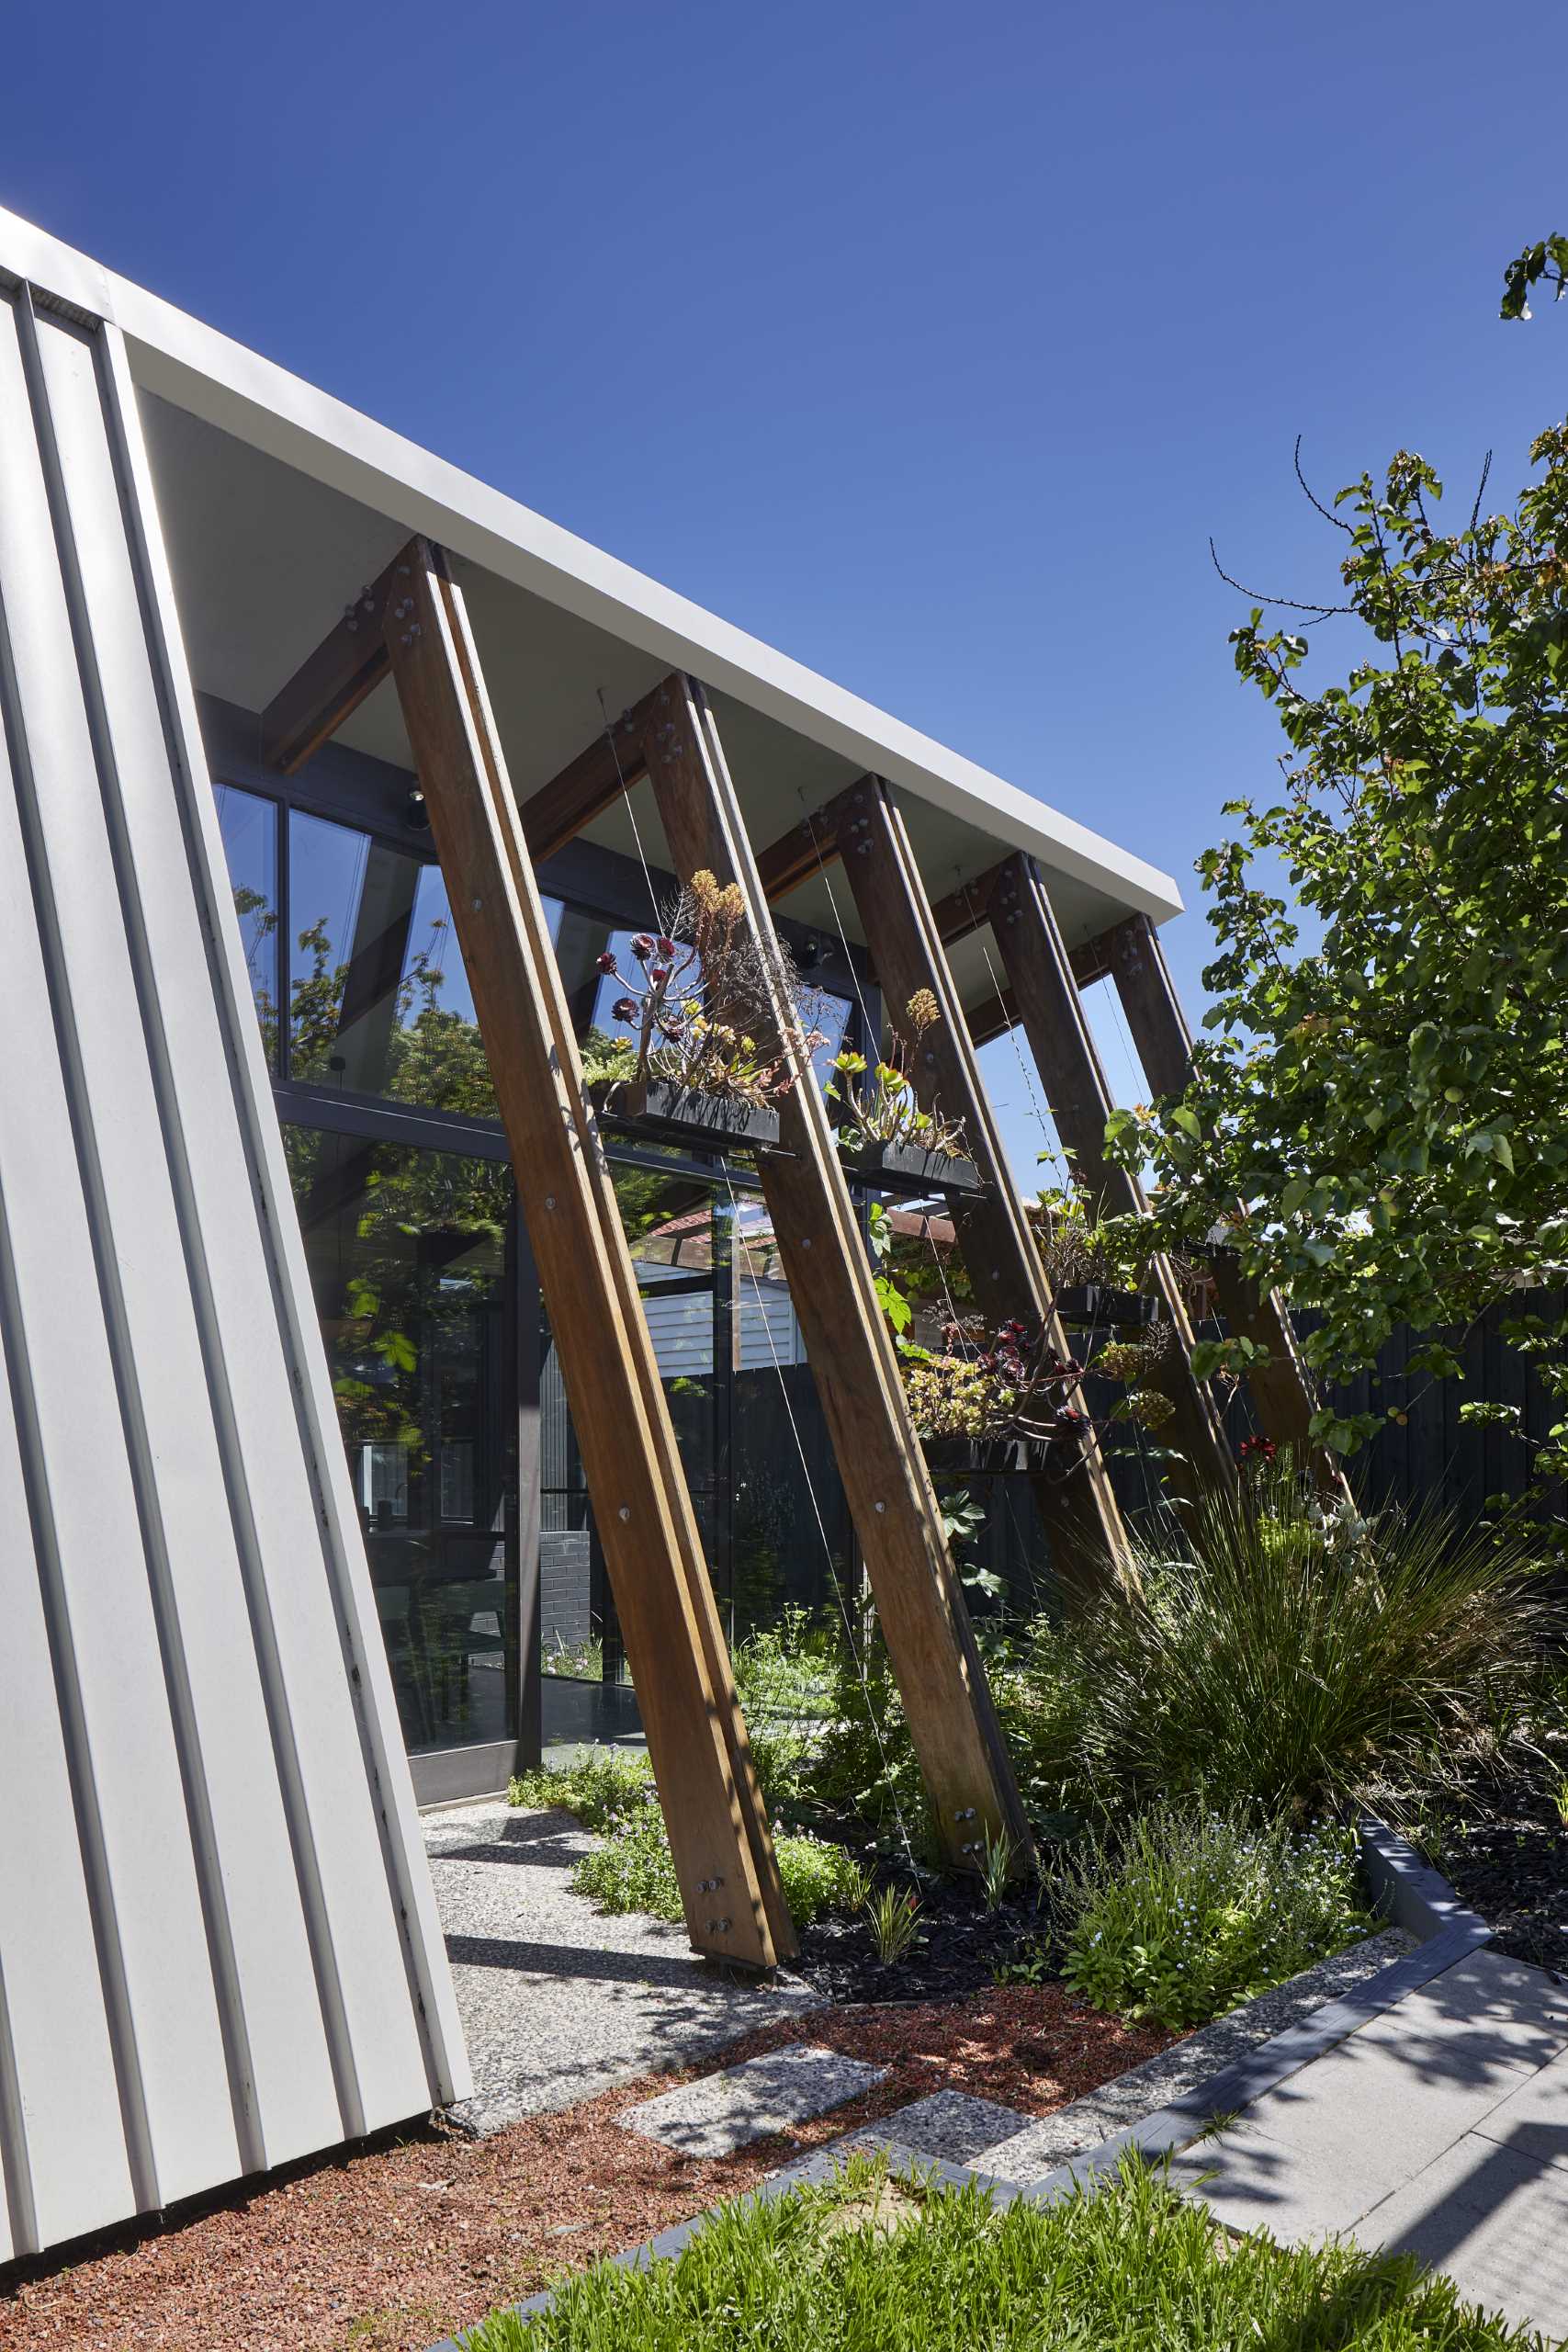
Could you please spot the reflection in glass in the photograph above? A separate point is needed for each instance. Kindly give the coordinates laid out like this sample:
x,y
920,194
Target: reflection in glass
x,y
379,1001
791,1543
760,1467
249,827
408,1264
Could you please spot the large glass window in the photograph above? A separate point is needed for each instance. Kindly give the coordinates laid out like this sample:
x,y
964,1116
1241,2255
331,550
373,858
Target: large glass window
x,y
379,1001
408,1264
249,826
360,990
770,1506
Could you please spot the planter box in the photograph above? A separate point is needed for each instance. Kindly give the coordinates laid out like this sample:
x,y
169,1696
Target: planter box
x,y
987,1458
677,1114
1094,1303
909,1167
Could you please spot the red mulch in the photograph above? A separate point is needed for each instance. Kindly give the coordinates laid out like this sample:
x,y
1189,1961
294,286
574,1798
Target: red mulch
x,y
391,2248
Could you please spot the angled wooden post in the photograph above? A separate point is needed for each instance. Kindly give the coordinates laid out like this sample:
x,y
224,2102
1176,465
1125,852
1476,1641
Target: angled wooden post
x,y
919,1600
723,1853
1050,1009
1000,1254
1281,1387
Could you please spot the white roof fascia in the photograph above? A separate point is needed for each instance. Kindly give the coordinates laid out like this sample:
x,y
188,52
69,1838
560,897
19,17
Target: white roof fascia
x,y
220,380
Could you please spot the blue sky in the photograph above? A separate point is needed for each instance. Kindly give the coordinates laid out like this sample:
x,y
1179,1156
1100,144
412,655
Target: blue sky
x,y
929,344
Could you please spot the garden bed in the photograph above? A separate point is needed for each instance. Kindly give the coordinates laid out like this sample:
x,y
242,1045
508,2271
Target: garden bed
x,y
392,2246
1500,1840
679,1115
961,1948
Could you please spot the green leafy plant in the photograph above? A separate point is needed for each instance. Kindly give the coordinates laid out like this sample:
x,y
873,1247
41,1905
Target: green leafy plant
x,y
1030,1962
596,1788
631,1868
893,1914
867,2263
963,1518
701,998
879,1101
1378,1117
999,1868
1193,1911
1559,1798
820,1876
613,1793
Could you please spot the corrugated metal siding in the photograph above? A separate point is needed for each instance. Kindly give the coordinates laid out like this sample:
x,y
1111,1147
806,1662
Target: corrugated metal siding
x,y
217,1944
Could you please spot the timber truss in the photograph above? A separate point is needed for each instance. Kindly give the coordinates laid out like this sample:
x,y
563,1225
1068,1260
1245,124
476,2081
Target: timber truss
x,y
412,625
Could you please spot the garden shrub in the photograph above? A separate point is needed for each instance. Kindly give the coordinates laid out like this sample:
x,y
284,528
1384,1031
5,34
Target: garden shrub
x,y
613,1793
597,1789
1194,1910
818,1876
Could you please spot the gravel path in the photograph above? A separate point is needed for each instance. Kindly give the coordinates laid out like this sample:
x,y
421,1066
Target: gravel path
x,y
558,2001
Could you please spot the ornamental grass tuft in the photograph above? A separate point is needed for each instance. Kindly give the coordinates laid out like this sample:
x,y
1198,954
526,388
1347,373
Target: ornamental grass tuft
x,y
1292,1656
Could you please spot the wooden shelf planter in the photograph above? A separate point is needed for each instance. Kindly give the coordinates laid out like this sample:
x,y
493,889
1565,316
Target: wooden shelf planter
x,y
1090,1303
680,1114
909,1167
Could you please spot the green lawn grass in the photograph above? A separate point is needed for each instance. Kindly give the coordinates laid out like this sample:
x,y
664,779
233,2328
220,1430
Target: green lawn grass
x,y
1134,2268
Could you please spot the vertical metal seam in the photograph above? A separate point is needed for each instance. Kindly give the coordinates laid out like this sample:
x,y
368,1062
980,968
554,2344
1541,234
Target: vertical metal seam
x,y
293,1339
129,2085
230,1449
206,1860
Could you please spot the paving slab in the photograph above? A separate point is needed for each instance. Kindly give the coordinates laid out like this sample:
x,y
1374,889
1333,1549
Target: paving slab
x,y
1533,2119
1504,2010
559,2001
1369,2106
1439,2128
1495,2221
727,2111
1250,2182
1040,2147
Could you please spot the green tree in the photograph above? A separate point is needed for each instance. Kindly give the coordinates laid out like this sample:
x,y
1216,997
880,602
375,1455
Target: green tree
x,y
1378,1115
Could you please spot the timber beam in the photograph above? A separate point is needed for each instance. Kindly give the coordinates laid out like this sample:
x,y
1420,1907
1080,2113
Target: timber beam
x,y
594,781
1051,1012
799,856
919,1600
1000,1254
1281,1388
349,663
720,1838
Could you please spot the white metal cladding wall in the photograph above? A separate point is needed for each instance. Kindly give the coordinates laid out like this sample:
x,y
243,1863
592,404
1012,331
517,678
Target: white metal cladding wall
x,y
219,1948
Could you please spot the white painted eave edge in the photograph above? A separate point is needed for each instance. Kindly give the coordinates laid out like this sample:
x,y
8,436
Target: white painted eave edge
x,y
196,368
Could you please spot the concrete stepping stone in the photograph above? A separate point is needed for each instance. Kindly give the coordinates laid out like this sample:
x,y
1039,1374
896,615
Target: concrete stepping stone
x,y
953,2125
727,2111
